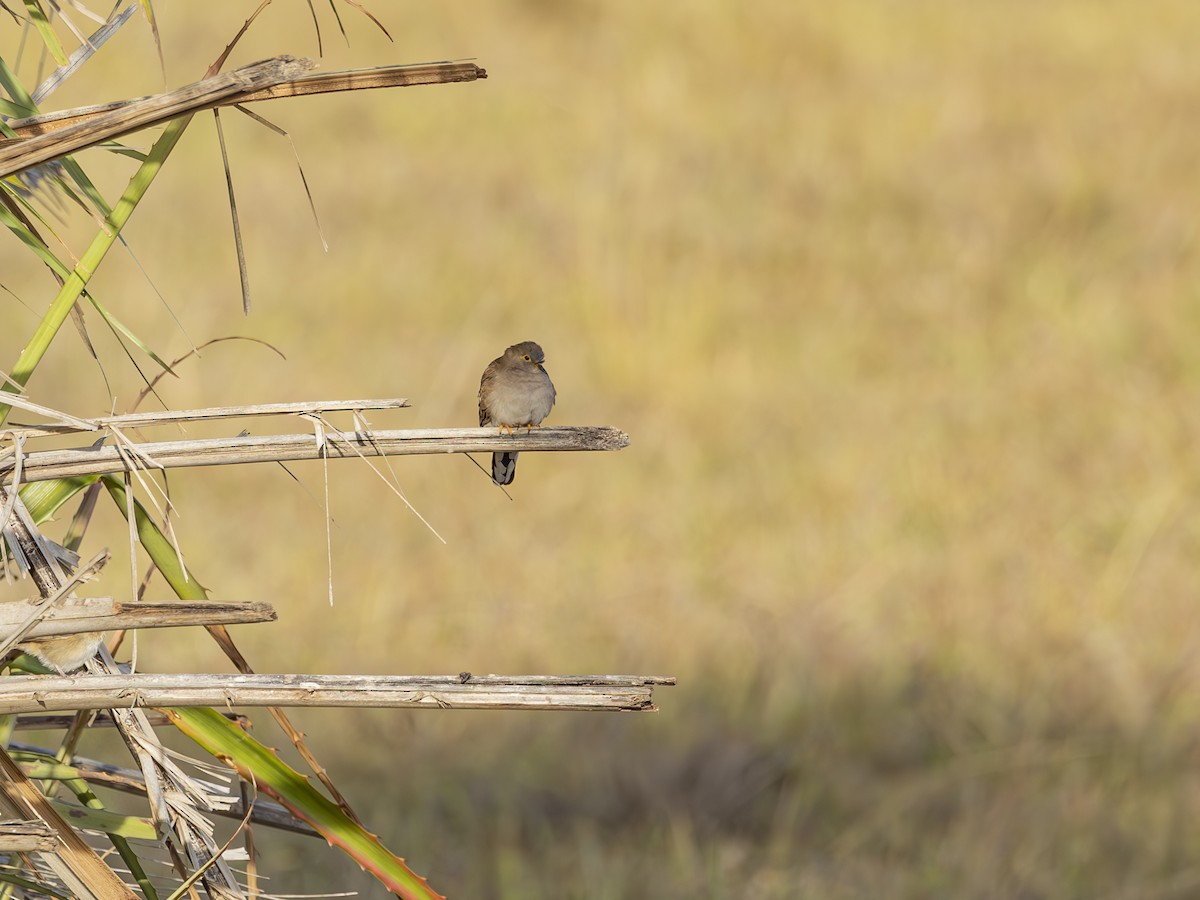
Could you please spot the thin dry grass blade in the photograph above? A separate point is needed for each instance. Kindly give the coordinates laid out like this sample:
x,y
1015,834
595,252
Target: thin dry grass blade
x,y
362,9
148,9
84,11
69,424
394,484
299,166
337,18
195,351
82,517
243,273
64,420
79,320
312,11
154,287
71,26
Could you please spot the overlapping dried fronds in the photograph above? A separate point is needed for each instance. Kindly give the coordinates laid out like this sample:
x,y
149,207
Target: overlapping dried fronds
x,y
39,139
64,630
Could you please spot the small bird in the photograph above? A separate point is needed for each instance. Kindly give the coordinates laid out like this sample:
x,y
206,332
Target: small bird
x,y
515,392
66,653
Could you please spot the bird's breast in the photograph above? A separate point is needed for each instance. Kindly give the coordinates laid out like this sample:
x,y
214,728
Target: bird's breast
x,y
526,402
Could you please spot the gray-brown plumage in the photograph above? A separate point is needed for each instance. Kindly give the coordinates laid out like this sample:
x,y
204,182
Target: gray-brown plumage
x,y
515,392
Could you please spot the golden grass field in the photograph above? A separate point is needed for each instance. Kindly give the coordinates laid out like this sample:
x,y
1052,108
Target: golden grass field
x,y
899,305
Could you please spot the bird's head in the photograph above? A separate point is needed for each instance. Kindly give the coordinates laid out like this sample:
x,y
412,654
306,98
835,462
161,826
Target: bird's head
x,y
526,353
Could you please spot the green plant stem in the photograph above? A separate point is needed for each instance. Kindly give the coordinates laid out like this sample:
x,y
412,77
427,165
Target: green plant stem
x,y
77,281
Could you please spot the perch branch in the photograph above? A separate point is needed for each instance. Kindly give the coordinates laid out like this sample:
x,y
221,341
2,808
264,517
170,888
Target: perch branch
x,y
44,465
48,693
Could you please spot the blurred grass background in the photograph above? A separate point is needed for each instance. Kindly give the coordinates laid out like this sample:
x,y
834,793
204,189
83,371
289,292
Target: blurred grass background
x,y
899,304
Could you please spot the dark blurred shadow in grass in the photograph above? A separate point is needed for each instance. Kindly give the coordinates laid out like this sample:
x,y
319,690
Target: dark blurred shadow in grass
x,y
865,788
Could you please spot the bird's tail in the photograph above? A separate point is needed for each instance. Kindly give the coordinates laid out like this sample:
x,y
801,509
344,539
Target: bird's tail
x,y
504,467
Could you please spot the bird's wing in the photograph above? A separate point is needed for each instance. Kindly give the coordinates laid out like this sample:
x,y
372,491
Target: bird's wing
x,y
486,384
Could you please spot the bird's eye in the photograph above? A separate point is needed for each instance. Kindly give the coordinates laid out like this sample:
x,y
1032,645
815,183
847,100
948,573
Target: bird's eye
x,y
527,358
